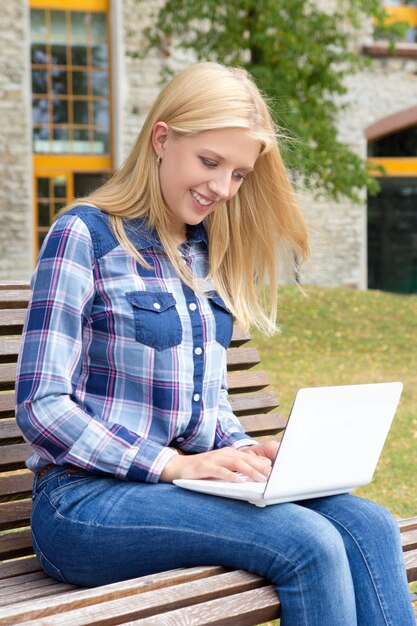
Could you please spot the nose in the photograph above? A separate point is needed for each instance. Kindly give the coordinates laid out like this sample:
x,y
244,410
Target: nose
x,y
220,184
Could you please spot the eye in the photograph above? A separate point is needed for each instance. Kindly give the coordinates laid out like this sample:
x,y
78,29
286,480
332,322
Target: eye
x,y
208,162
239,176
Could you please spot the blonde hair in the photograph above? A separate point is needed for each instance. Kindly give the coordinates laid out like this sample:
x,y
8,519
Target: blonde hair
x,y
246,232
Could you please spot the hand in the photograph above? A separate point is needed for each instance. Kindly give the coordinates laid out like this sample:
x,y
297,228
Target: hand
x,y
268,449
220,464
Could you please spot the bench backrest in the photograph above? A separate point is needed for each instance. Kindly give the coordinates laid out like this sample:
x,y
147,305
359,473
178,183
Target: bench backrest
x,y
249,398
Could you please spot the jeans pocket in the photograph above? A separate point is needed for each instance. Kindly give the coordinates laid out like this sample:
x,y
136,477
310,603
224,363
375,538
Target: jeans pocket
x,y
223,317
157,322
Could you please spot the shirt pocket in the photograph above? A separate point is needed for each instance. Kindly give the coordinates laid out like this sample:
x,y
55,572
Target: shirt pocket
x,y
157,323
223,318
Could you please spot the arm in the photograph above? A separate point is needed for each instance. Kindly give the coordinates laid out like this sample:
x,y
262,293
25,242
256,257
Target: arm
x,y
50,364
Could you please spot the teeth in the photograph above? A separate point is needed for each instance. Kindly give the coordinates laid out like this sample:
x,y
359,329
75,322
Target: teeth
x,y
200,199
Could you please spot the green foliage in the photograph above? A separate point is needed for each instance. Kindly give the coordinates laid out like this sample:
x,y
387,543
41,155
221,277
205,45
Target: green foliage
x,y
299,55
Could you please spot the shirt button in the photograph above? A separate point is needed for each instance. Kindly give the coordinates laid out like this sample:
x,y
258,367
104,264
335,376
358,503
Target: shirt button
x,y
180,439
198,351
192,306
196,397
156,306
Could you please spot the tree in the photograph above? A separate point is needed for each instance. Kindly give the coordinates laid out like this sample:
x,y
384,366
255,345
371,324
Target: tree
x,y
299,55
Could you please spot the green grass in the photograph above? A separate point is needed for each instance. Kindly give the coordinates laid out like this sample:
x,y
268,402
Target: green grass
x,y
343,336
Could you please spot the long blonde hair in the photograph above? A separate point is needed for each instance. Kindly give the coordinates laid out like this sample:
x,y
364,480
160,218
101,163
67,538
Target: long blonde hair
x,y
246,232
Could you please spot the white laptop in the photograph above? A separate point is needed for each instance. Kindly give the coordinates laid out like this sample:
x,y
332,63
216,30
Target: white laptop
x,y
332,443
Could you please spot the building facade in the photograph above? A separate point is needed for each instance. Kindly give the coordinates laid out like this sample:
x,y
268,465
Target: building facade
x,y
73,98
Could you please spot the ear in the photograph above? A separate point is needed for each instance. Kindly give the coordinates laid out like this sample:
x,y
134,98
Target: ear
x,y
159,136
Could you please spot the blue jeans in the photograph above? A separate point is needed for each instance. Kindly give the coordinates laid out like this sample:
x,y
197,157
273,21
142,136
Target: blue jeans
x,y
335,561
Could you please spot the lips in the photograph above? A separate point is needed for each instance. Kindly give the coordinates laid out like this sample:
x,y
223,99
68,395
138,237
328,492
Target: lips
x,y
201,201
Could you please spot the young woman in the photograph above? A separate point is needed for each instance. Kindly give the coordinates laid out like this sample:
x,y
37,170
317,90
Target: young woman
x,y
122,374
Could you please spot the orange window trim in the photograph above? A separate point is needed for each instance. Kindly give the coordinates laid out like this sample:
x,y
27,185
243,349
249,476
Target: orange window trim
x,y
402,14
73,162
71,5
399,166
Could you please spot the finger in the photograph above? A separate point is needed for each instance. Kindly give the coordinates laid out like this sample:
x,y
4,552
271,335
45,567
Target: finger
x,y
267,449
253,472
257,460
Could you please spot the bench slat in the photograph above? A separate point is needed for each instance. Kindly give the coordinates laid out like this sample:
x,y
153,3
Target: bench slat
x,y
17,581
9,429
263,424
242,358
410,559
20,567
15,483
43,589
409,523
246,403
239,337
243,609
11,321
15,544
7,376
10,318
14,284
239,382
15,511
9,348
13,454
14,298
31,610
7,404
409,539
173,597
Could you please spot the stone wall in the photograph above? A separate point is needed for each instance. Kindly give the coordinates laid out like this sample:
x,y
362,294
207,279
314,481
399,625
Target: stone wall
x,y
16,214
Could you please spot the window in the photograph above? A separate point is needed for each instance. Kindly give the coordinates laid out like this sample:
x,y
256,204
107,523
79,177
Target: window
x,y
392,236
70,77
402,143
71,103
392,214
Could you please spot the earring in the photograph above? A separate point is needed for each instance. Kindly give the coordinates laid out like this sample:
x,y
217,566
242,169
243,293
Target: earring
x,y
158,160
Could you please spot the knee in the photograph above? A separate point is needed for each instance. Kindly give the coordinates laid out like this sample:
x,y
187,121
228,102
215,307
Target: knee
x,y
318,545
368,514
380,521
318,554
326,548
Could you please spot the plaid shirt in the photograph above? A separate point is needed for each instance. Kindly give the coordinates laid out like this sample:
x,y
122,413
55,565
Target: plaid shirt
x,y
120,361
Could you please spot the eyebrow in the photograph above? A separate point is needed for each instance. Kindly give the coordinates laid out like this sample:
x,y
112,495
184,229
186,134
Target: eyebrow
x,y
246,168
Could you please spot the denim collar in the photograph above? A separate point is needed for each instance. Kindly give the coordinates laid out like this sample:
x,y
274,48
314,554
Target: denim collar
x,y
143,236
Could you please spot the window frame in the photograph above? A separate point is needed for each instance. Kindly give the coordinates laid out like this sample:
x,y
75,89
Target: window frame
x,y
68,164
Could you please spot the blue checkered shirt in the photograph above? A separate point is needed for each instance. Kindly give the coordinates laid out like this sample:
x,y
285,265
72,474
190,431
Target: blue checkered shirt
x,y
121,363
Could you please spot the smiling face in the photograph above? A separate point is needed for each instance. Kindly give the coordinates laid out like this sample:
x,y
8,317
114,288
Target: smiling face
x,y
199,172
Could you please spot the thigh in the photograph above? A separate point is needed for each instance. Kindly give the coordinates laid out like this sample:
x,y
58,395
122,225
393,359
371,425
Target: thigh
x,y
98,530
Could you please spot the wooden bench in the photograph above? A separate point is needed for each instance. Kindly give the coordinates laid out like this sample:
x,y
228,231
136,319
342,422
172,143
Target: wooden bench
x,y
199,595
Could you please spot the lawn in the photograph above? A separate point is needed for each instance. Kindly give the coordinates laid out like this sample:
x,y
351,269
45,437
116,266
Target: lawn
x,y
343,336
